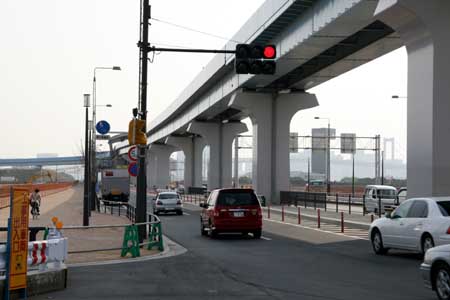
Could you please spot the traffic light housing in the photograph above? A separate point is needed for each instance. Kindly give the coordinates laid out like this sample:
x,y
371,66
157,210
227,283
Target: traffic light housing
x,y
136,134
255,59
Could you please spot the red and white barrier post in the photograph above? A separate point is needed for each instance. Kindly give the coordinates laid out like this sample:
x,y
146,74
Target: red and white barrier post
x,y
268,211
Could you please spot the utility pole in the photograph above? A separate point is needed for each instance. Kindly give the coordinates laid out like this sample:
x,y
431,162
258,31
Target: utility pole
x,y
353,174
141,197
328,159
309,175
86,165
382,167
236,162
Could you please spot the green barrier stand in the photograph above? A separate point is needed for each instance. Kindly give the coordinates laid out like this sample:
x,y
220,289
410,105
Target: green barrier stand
x,y
45,233
130,242
155,237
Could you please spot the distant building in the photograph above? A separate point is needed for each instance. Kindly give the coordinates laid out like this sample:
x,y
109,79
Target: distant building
x,y
319,149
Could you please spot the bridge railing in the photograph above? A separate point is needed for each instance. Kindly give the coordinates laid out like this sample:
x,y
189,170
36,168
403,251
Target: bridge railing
x,y
44,188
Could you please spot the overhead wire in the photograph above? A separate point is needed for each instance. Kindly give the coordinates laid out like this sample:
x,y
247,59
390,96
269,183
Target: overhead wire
x,y
194,30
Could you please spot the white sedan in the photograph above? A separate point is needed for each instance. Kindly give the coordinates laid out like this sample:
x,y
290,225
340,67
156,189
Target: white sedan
x,y
417,224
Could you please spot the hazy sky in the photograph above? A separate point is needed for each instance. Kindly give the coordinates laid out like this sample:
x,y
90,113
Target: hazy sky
x,y
49,49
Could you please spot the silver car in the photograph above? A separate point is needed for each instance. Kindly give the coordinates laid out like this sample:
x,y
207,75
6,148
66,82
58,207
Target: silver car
x,y
418,224
167,202
436,271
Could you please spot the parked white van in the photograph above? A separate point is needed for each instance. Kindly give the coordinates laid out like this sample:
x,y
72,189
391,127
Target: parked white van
x,y
373,193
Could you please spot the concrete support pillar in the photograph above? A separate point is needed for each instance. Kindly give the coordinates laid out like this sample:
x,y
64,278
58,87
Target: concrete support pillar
x,y
220,138
211,132
229,132
158,166
271,117
198,147
423,27
185,144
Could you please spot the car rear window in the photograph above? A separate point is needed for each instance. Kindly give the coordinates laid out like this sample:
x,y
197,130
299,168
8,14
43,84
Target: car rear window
x,y
168,196
387,193
444,207
235,197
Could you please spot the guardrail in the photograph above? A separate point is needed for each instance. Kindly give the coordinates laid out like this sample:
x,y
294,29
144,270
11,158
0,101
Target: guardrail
x,y
46,254
342,203
194,198
152,226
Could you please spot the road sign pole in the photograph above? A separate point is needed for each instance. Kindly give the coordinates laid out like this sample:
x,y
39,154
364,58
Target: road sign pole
x,y
141,190
86,175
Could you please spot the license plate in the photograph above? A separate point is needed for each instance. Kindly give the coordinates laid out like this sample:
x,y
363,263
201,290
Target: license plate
x,y
238,214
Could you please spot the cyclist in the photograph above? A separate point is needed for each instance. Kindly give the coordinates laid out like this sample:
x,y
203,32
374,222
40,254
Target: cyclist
x,y
35,201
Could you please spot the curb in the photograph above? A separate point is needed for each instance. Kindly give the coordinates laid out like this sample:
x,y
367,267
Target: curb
x,y
171,249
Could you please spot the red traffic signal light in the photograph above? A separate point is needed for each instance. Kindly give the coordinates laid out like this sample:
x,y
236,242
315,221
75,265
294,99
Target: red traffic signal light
x,y
270,52
255,59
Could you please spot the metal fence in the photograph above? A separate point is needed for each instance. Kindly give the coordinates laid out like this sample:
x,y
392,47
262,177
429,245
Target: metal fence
x,y
339,202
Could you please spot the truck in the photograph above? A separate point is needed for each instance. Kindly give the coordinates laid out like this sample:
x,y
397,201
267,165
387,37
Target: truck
x,y
115,185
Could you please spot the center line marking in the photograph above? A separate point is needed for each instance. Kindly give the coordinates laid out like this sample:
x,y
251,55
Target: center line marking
x,y
266,238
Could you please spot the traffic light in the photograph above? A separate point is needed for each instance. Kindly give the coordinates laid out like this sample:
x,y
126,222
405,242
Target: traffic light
x,y
136,135
255,59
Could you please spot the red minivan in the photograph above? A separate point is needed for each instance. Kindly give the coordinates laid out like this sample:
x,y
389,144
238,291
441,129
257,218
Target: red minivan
x,y
231,210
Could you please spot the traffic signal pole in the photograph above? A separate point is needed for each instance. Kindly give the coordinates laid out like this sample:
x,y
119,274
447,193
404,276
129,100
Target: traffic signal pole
x,y
141,190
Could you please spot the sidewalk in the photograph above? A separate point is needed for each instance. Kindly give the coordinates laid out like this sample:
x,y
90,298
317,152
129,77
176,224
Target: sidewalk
x,y
67,206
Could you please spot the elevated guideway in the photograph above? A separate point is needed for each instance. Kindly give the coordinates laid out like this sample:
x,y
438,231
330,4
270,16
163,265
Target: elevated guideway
x,y
316,40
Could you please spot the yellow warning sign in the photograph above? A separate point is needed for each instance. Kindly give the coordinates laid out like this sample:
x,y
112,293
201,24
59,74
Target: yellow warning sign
x,y
19,240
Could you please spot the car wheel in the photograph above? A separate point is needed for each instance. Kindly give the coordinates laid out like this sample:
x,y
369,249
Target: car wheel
x,y
441,279
212,232
155,212
257,234
202,228
427,243
377,243
180,212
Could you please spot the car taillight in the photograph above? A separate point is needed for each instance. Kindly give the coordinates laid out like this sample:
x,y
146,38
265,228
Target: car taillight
x,y
448,230
216,212
159,202
179,202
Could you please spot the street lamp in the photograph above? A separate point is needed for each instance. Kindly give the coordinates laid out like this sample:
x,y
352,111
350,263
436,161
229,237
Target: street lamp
x,y
94,138
86,165
328,153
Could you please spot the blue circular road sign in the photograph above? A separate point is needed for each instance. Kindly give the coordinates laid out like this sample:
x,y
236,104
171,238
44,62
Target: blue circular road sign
x,y
102,127
133,169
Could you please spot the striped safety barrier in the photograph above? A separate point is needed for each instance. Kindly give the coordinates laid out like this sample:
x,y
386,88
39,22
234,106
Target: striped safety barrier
x,y
41,253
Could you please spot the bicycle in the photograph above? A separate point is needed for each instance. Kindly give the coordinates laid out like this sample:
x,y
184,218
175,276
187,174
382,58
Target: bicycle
x,y
34,211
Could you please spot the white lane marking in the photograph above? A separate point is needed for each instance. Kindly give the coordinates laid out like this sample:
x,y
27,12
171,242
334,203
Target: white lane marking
x,y
317,229
266,238
185,213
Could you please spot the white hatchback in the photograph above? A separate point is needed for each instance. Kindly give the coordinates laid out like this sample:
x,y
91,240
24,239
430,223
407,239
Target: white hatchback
x,y
417,224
